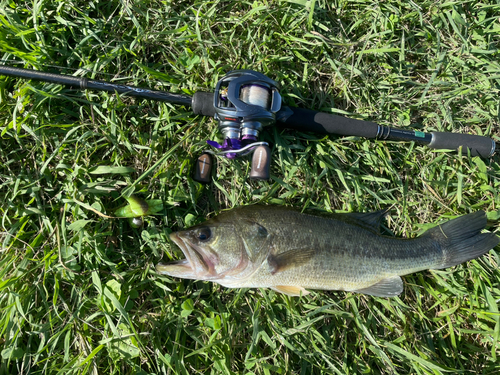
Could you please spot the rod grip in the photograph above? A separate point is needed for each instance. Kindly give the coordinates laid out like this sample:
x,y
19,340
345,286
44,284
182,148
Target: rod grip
x,y
478,145
324,123
203,103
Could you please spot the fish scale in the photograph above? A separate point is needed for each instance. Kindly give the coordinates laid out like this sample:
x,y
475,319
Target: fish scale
x,y
290,251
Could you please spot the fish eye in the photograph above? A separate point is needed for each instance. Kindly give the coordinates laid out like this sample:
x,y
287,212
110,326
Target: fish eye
x,y
204,234
262,231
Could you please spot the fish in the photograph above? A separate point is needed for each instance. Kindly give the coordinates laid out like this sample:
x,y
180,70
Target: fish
x,y
293,252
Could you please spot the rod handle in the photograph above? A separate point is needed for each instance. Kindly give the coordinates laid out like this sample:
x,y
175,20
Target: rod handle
x,y
478,145
203,103
324,123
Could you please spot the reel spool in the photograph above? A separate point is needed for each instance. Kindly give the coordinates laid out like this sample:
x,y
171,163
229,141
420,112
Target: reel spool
x,y
245,102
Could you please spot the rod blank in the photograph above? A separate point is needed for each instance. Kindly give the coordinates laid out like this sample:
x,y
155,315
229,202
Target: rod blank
x,y
84,83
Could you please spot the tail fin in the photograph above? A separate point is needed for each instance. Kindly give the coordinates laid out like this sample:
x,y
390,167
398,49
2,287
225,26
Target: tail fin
x,y
461,239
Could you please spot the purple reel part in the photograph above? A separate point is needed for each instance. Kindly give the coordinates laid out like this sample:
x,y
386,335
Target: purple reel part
x,y
230,144
234,144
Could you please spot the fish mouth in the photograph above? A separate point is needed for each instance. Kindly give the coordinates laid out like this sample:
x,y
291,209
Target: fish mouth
x,y
196,265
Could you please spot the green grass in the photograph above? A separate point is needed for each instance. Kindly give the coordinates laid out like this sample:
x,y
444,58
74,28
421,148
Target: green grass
x,y
78,291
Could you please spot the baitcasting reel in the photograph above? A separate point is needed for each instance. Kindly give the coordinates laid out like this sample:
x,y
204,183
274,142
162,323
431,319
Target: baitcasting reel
x,y
245,102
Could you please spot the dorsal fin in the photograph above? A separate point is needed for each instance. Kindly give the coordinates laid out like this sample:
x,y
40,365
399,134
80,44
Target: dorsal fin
x,y
369,220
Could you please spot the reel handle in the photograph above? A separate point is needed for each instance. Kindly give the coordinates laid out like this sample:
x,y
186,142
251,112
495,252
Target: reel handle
x,y
261,161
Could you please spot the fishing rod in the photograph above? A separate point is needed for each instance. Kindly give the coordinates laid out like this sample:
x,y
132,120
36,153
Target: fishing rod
x,y
246,101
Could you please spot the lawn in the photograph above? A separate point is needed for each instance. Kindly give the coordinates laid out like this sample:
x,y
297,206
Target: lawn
x,y
78,290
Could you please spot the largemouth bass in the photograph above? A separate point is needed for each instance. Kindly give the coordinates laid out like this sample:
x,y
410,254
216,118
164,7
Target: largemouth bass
x,y
289,251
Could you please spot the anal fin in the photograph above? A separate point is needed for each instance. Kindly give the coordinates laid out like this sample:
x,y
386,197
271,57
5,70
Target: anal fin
x,y
388,287
294,291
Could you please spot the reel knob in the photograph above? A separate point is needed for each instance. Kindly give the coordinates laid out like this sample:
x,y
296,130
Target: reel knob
x,y
261,161
203,168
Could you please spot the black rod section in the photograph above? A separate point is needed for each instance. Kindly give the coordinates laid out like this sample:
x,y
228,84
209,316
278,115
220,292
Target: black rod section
x,y
324,123
392,134
84,83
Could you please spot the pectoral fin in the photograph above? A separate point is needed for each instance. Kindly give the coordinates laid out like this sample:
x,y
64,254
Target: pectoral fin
x,y
288,259
294,291
389,287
